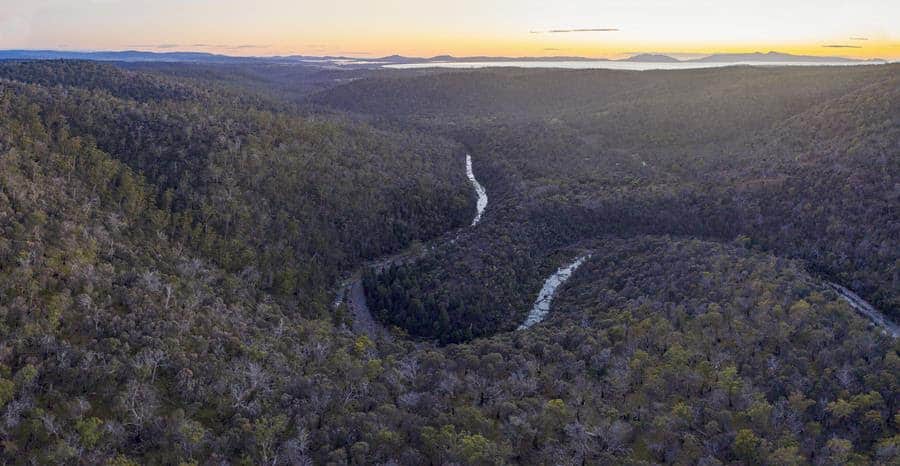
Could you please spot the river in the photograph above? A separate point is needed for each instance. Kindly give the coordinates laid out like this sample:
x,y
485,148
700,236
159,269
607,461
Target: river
x,y
351,292
542,306
866,309
364,323
482,201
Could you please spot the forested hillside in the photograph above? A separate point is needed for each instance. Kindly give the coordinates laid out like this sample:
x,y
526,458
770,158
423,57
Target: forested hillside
x,y
803,162
291,201
287,84
172,239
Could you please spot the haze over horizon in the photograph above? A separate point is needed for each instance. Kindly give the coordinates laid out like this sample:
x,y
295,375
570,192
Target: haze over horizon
x,y
356,28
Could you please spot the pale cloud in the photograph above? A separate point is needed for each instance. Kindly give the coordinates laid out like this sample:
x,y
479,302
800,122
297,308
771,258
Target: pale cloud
x,y
563,31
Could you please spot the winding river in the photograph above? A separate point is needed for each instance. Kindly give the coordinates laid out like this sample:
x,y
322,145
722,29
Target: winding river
x,y
481,204
351,289
542,306
351,292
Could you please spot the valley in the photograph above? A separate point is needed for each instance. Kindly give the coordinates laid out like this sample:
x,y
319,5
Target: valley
x,y
240,264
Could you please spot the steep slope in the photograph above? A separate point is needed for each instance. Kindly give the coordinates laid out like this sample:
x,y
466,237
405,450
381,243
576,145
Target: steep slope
x,y
824,187
115,340
291,200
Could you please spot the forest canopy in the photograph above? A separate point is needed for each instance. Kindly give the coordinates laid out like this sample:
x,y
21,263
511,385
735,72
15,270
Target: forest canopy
x,y
173,238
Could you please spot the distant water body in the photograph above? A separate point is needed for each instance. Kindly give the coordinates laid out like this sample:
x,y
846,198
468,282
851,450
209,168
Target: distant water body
x,y
610,65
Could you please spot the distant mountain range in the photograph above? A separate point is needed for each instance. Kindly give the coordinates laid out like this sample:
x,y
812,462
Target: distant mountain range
x,y
775,57
127,55
200,57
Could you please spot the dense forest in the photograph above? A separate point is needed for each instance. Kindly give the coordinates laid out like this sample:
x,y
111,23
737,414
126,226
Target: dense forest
x,y
289,201
172,237
802,162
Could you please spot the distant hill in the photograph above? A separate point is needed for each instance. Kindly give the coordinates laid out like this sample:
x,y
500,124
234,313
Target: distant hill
x,y
652,58
402,59
135,56
126,55
773,57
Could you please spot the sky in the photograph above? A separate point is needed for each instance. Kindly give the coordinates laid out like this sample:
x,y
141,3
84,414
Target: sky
x,y
368,28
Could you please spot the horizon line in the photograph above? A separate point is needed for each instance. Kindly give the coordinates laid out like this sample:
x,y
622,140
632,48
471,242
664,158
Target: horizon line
x,y
627,55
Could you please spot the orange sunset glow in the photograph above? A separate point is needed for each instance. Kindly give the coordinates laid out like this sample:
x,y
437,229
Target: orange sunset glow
x,y
357,28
